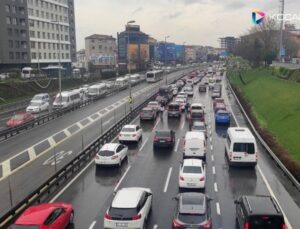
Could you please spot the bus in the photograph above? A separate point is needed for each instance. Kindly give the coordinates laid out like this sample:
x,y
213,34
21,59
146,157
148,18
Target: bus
x,y
154,76
52,71
28,72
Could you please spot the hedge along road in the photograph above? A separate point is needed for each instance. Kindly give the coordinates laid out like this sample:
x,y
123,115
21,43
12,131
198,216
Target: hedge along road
x,y
29,163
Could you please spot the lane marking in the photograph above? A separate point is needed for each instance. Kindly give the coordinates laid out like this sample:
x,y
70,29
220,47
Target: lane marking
x,y
144,143
122,178
182,123
210,133
214,170
177,144
157,122
212,158
216,187
210,139
273,195
218,208
211,147
57,157
155,226
92,225
168,179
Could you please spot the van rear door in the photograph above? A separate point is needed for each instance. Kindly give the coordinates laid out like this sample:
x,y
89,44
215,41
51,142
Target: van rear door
x,y
244,152
194,148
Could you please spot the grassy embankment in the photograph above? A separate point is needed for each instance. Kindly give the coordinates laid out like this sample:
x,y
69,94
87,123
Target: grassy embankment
x,y
276,105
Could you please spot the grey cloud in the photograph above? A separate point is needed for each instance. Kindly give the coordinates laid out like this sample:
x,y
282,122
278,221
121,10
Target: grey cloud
x,y
174,15
190,2
235,5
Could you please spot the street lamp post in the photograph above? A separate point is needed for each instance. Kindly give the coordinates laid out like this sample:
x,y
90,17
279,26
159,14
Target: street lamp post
x,y
183,56
166,58
129,62
59,54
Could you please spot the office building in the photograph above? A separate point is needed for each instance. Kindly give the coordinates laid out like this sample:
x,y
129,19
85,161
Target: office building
x,y
228,43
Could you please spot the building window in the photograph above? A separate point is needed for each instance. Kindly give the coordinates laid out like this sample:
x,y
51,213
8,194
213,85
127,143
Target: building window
x,y
44,35
10,44
49,45
37,13
13,9
23,22
18,56
24,55
40,55
7,8
32,44
39,34
23,33
93,47
24,44
32,33
8,20
50,55
45,55
11,55
66,38
9,31
48,36
17,44
39,45
54,46
31,23
14,21
67,56
54,55
22,10
33,55
44,45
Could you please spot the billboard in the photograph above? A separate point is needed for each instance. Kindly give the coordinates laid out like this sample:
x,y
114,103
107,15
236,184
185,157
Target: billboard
x,y
166,52
144,52
179,52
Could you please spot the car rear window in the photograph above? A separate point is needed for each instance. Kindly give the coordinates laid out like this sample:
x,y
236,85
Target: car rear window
x,y
106,153
163,134
244,147
128,130
198,128
196,114
266,222
146,111
173,107
192,218
196,108
122,213
192,169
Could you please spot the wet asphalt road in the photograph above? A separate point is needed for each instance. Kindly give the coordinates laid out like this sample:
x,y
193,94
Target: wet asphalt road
x,y
92,192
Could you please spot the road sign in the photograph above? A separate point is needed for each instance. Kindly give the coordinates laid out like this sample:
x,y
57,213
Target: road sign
x,y
130,100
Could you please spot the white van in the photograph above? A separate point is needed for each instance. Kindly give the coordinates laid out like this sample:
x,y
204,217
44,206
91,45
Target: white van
x,y
241,147
194,145
196,107
66,99
121,83
97,90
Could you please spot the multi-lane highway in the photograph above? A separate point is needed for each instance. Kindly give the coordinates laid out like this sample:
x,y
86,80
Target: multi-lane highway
x,y
30,158
91,191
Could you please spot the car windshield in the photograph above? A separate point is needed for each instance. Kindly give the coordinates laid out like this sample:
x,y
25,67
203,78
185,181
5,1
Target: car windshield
x,y
192,169
37,97
266,222
191,218
244,148
196,114
35,104
128,129
18,117
198,127
163,134
152,104
173,107
61,99
223,114
24,227
146,112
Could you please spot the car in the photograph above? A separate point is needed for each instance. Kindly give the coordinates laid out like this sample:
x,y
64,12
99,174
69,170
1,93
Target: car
x,y
196,107
219,106
205,81
174,110
199,126
222,117
130,133
36,106
192,174
164,138
211,83
202,88
19,118
111,154
215,94
197,115
182,102
154,104
175,91
148,113
46,216
194,145
182,94
218,100
259,212
193,210
189,91
130,208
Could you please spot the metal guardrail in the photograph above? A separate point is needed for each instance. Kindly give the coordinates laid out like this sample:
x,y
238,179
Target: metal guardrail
x,y
54,183
286,172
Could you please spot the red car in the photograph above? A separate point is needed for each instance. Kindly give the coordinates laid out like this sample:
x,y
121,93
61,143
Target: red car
x,y
217,100
46,216
19,119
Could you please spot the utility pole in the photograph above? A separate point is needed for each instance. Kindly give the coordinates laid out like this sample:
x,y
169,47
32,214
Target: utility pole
x,y
166,58
281,31
129,61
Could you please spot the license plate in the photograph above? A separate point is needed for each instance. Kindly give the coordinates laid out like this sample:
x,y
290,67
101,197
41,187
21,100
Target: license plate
x,y
191,184
162,141
121,225
127,135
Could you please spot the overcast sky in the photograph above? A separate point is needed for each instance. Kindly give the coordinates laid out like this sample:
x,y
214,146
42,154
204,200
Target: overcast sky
x,y
197,22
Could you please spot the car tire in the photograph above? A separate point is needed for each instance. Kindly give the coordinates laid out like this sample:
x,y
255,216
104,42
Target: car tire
x,y
71,220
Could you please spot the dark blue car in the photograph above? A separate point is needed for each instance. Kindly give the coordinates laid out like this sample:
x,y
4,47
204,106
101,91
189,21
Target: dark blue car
x,y
222,117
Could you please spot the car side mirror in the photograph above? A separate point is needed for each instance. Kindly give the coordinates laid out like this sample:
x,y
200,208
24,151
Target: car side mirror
x,y
114,193
175,198
237,202
209,199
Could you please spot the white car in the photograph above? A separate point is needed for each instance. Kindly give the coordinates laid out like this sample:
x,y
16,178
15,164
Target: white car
x,y
111,154
41,97
154,104
181,102
36,106
130,208
189,91
192,174
130,133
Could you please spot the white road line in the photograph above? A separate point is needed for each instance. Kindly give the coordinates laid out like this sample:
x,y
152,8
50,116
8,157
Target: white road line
x,y
154,127
210,139
214,170
182,123
216,187
155,226
218,208
273,195
1,127
177,144
212,158
168,179
144,143
210,133
92,225
211,147
122,178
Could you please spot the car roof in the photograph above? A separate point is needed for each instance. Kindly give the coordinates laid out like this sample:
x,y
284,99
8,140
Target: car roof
x,y
193,135
41,94
130,126
240,133
261,205
37,214
197,123
222,112
191,202
127,198
192,162
196,104
110,146
147,108
153,102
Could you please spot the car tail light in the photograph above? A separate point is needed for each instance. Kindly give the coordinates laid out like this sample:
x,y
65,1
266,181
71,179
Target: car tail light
x,y
155,139
114,157
206,225
202,178
136,217
97,156
283,226
230,155
134,135
168,139
120,135
107,216
181,178
256,156
177,224
246,226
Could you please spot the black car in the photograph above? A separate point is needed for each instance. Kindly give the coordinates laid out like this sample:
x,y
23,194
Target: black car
x,y
192,211
202,88
164,138
174,110
258,212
